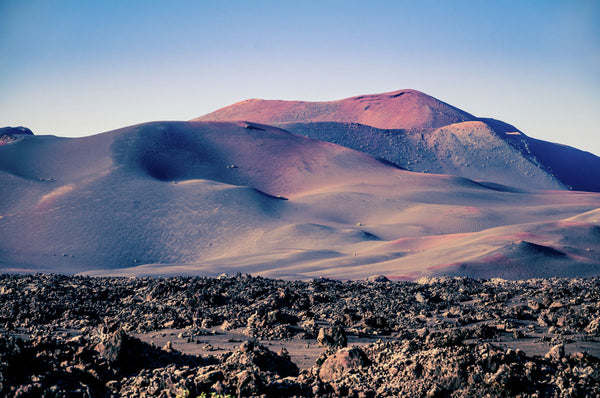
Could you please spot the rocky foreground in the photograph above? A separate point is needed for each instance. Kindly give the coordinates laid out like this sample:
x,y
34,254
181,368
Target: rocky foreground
x,y
96,337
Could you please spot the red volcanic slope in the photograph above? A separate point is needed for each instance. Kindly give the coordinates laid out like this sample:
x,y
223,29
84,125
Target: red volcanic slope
x,y
420,133
402,109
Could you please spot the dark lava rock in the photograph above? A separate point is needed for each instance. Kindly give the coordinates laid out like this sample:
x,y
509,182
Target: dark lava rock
x,y
332,337
15,130
249,384
376,322
114,347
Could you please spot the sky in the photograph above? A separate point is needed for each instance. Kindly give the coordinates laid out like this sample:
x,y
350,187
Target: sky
x,y
75,67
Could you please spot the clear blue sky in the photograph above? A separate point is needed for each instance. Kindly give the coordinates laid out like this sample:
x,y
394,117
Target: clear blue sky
x,y
78,67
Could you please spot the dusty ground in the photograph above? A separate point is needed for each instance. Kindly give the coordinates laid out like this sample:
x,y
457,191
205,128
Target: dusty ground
x,y
303,352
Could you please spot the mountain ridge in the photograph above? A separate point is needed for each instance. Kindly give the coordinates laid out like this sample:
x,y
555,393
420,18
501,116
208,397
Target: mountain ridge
x,y
407,128
400,109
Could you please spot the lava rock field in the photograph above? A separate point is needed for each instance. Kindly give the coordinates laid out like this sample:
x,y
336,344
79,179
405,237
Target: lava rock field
x,y
436,337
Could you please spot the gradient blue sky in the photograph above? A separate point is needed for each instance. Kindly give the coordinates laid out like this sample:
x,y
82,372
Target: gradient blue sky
x,y
75,68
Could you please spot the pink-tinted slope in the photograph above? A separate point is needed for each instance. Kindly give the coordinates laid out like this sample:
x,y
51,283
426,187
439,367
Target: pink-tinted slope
x,y
402,109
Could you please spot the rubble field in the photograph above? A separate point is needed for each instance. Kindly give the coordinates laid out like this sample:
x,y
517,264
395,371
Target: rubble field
x,y
71,336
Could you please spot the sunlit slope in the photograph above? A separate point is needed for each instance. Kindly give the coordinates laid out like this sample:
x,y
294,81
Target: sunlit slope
x,y
402,109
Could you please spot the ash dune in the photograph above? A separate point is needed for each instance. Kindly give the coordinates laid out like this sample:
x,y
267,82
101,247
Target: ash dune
x,y
419,133
245,154
159,192
206,197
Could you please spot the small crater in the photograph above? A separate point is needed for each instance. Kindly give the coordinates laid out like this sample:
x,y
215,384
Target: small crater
x,y
397,95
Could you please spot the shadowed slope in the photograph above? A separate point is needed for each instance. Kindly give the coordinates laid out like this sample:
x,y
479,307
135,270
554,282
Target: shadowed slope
x,y
476,150
470,149
577,169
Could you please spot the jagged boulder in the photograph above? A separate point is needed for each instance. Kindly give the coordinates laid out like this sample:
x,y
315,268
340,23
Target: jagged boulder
x,y
251,354
344,360
333,337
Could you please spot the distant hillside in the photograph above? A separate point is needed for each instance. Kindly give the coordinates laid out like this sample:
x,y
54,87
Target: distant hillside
x,y
470,149
403,109
419,133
